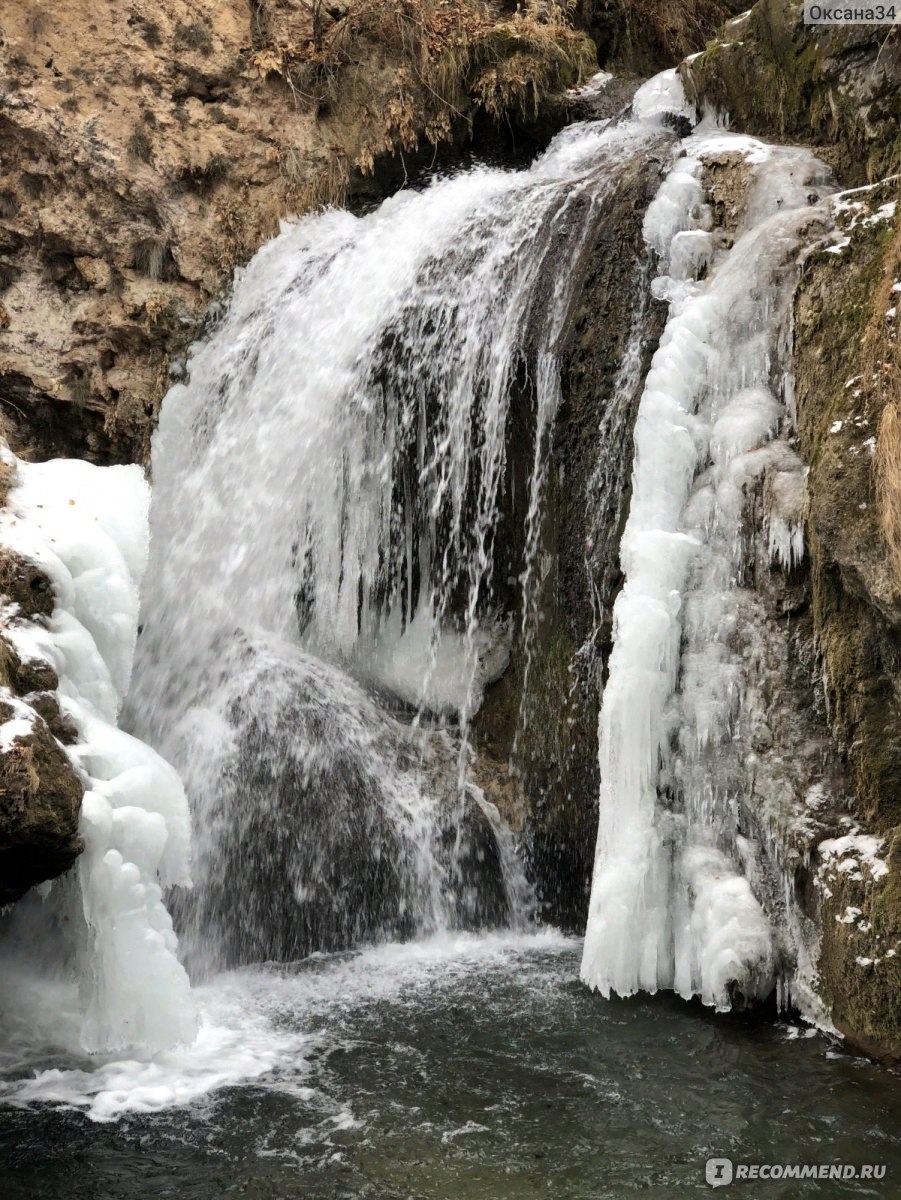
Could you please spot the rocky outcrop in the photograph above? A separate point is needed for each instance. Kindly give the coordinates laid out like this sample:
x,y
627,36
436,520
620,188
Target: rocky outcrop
x,y
835,86
40,790
40,798
846,363
147,152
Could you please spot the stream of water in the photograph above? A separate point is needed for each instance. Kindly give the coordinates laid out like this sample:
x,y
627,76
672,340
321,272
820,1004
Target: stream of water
x,y
339,554
471,1066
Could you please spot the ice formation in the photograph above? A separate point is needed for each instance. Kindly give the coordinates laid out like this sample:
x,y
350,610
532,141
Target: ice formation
x,y
672,905
86,527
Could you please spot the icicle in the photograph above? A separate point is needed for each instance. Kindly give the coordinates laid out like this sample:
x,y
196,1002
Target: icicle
x,y
670,905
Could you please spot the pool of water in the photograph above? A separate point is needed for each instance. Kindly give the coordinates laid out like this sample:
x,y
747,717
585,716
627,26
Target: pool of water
x,y
466,1067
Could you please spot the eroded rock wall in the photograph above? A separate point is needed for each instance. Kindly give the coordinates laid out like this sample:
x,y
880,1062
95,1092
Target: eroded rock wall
x,y
147,152
838,88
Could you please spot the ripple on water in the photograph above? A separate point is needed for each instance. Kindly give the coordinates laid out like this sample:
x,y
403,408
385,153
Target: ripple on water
x,y
472,1066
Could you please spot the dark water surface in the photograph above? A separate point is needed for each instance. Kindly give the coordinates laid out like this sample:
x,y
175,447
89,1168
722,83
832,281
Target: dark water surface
x,y
477,1067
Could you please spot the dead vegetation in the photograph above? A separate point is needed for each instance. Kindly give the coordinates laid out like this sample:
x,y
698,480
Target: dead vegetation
x,y
204,177
8,480
139,145
195,36
668,30
152,256
449,59
323,186
9,205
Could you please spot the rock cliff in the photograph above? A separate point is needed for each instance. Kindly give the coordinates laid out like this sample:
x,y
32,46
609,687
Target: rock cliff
x,y
146,153
839,89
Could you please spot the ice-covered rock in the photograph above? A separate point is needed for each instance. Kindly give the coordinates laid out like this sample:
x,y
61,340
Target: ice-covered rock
x,y
84,530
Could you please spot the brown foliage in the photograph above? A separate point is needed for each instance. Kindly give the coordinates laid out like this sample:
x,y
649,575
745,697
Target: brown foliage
x,y
451,57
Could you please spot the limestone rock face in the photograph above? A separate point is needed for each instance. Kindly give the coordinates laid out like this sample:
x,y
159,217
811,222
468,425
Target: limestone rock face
x,y
845,370
838,87
146,152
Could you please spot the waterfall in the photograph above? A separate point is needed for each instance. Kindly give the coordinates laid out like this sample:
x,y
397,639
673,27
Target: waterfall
x,y
342,555
672,903
333,576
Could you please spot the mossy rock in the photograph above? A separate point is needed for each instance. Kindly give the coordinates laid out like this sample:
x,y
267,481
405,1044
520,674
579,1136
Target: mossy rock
x,y
860,957
857,617
836,87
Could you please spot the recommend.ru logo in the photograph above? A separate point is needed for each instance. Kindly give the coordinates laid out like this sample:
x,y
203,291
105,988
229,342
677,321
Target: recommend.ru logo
x,y
721,1171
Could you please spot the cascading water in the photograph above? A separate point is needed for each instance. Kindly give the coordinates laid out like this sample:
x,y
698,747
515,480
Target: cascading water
x,y
328,493
672,904
341,556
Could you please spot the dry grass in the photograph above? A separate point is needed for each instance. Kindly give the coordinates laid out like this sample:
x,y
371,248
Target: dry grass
x,y
79,387
326,189
675,28
152,256
195,37
450,57
139,145
882,373
9,205
8,480
204,177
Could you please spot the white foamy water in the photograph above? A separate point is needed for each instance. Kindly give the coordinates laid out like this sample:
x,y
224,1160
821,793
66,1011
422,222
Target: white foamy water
x,y
254,1025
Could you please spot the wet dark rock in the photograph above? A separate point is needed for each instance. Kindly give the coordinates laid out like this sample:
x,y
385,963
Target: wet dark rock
x,y
25,584
40,799
554,755
306,844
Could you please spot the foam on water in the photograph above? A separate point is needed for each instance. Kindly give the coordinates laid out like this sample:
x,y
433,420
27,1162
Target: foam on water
x,y
253,1025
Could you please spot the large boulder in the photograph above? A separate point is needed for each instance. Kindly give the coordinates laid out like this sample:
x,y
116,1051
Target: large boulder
x,y
40,801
